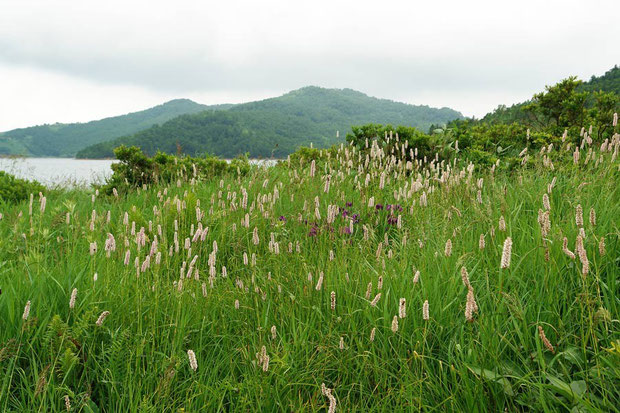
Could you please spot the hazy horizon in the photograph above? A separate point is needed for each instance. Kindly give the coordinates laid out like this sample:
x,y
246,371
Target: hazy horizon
x,y
90,62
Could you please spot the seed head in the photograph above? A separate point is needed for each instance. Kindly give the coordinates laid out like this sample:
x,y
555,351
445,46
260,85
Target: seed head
x,y
546,203
425,315
465,277
26,311
448,249
416,277
502,224
375,300
579,215
506,253
192,360
546,342
395,324
402,308
73,297
102,318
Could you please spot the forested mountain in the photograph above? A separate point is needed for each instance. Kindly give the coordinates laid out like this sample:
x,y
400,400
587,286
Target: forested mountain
x,y
608,83
277,126
66,139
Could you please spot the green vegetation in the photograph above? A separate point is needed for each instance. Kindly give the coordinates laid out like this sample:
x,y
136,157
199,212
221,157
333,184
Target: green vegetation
x,y
13,190
135,169
66,139
396,281
275,127
471,268
607,83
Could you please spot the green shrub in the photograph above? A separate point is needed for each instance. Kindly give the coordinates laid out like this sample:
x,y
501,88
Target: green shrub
x,y
14,189
135,169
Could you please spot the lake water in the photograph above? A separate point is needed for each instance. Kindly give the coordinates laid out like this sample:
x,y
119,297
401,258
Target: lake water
x,y
68,171
59,171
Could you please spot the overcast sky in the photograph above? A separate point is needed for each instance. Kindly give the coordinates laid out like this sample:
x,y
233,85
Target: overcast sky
x,y
81,60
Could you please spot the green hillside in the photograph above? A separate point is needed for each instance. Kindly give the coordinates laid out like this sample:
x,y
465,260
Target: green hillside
x,y
66,139
609,82
277,126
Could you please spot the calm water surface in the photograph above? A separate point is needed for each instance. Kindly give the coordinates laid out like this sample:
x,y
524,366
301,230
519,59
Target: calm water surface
x,y
67,171
58,171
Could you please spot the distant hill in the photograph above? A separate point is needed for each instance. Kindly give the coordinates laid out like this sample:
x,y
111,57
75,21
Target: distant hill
x,y
277,126
608,82
67,139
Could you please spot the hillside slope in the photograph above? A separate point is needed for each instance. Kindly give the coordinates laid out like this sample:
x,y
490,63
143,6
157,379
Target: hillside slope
x,y
66,139
608,82
276,126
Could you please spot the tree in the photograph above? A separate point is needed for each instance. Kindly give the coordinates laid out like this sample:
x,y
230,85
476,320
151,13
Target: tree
x,y
560,106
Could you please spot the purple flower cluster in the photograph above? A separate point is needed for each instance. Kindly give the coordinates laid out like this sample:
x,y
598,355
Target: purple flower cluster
x,y
391,219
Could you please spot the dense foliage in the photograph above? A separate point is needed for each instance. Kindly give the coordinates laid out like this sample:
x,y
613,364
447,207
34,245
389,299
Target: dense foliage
x,y
554,116
135,169
608,83
13,189
275,127
66,139
349,279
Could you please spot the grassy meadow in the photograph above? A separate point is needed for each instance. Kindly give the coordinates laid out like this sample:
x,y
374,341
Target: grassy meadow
x,y
349,280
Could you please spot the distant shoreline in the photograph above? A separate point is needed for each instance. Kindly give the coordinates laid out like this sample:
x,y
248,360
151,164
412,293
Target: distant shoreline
x,y
112,159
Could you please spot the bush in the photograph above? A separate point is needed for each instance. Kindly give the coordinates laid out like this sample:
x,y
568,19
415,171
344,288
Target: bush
x,y
135,169
14,189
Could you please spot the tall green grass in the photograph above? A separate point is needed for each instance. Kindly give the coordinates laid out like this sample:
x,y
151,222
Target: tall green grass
x,y
137,359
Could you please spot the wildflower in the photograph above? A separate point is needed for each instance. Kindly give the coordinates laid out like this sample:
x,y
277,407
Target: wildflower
x,y
579,215
273,332
333,300
481,243
319,283
425,315
395,324
581,253
26,311
93,248
43,203
601,246
566,251
236,304
402,308
192,360
465,277
416,277
546,203
369,290
67,403
592,217
543,338
470,307
255,238
95,277
448,249
102,318
332,400
380,283
73,297
506,253
341,344
372,334
502,224
375,300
